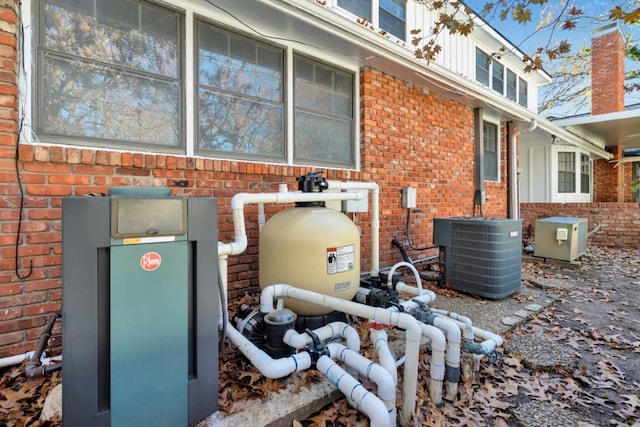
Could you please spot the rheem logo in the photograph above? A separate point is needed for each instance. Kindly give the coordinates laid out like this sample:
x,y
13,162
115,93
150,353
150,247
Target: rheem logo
x,y
150,261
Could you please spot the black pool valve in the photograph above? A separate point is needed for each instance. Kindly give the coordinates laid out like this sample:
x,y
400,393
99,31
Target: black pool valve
x,y
316,348
313,182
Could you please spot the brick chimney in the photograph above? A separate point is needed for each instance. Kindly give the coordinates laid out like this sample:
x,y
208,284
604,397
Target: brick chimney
x,y
607,70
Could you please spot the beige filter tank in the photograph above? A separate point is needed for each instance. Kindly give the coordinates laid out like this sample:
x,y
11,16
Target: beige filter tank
x,y
311,248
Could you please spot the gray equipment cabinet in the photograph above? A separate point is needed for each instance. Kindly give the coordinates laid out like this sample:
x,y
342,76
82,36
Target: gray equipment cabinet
x,y
140,310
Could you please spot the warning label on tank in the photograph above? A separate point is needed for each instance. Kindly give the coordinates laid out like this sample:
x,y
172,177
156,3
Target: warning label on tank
x,y
340,259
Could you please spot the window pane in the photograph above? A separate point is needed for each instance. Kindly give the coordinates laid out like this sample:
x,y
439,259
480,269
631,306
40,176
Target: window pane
x,y
323,89
109,71
360,8
238,65
482,67
119,32
585,174
512,85
240,95
490,144
522,92
323,139
497,81
324,113
85,100
392,17
566,172
238,125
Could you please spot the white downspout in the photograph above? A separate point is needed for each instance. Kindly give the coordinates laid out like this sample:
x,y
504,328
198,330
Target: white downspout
x,y
386,388
413,332
268,366
355,392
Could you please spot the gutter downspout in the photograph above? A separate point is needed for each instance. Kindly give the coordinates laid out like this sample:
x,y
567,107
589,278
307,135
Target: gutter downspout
x,y
478,139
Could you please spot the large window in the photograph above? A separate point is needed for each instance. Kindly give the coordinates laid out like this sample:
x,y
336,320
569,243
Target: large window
x,y
110,71
566,172
491,151
585,174
118,74
323,112
390,15
240,95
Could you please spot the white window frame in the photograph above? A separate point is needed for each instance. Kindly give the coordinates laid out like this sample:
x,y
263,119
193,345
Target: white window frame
x,y
189,10
576,196
375,16
503,90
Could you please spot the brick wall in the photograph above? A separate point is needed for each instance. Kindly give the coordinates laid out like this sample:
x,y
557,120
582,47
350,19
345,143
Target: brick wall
x,y
613,181
409,137
615,224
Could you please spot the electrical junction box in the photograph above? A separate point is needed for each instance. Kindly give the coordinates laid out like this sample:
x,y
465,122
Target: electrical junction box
x,y
409,198
560,238
361,205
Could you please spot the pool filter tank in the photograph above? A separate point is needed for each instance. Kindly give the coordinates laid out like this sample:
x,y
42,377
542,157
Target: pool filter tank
x,y
311,247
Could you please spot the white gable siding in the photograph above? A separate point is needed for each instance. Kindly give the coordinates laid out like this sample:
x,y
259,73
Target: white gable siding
x,y
458,53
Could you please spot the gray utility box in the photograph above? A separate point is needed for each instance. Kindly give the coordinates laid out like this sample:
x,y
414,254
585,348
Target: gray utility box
x,y
480,256
561,238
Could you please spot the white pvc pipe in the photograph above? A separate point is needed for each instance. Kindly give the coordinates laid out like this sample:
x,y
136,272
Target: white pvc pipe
x,y
466,323
436,364
438,351
241,199
452,354
15,360
375,216
332,330
428,295
19,358
413,332
452,334
355,392
268,366
381,345
386,388
491,340
412,268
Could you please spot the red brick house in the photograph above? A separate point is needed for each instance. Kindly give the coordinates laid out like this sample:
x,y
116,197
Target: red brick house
x,y
211,99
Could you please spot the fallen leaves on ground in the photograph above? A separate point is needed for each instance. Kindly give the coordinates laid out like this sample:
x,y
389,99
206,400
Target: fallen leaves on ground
x,y
21,399
601,385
